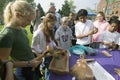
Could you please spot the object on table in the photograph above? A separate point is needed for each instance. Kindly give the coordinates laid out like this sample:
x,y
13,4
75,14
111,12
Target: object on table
x,y
80,49
90,60
117,71
106,53
81,70
60,62
118,47
99,72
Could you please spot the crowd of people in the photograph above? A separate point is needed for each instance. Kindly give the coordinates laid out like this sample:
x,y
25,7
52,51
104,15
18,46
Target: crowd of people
x,y
53,30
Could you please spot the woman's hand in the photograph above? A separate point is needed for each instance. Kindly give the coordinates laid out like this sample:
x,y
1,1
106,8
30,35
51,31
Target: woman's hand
x,y
34,63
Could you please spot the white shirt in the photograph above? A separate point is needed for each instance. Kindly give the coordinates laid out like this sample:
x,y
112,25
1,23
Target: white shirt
x,y
39,41
83,28
109,37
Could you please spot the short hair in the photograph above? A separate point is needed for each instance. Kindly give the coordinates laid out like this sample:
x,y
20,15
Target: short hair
x,y
82,12
64,19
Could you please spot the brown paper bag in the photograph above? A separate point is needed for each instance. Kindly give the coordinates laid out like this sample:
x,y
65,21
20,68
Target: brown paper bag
x,y
60,62
81,70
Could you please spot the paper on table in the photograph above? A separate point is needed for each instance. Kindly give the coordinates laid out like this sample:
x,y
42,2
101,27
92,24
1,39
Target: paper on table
x,y
99,72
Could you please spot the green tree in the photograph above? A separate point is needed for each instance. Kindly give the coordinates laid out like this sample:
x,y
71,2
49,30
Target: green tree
x,y
65,8
72,6
33,4
2,5
42,13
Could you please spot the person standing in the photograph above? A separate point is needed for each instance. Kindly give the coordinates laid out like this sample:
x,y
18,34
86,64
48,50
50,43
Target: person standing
x,y
52,9
44,37
84,28
101,24
116,18
63,34
71,23
14,41
110,38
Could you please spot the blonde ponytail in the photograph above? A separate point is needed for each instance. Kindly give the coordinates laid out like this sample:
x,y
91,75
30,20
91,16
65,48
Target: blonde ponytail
x,y
20,6
8,13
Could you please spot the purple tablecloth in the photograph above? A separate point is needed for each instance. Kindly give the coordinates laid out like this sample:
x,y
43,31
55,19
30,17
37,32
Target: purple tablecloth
x,y
107,63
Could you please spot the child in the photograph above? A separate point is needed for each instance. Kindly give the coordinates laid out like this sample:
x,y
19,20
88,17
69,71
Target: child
x,y
101,24
110,38
116,18
84,28
45,36
14,41
63,34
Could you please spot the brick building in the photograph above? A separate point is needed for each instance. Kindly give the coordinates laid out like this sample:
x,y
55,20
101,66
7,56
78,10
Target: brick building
x,y
115,9
109,7
102,6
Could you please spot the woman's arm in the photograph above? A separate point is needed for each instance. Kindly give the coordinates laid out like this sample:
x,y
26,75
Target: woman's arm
x,y
9,71
4,53
32,63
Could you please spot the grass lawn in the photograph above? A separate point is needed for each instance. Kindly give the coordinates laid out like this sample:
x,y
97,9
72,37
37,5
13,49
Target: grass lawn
x,y
28,31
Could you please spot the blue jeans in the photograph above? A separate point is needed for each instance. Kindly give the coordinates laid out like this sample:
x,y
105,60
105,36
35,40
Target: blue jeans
x,y
19,74
25,73
47,74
